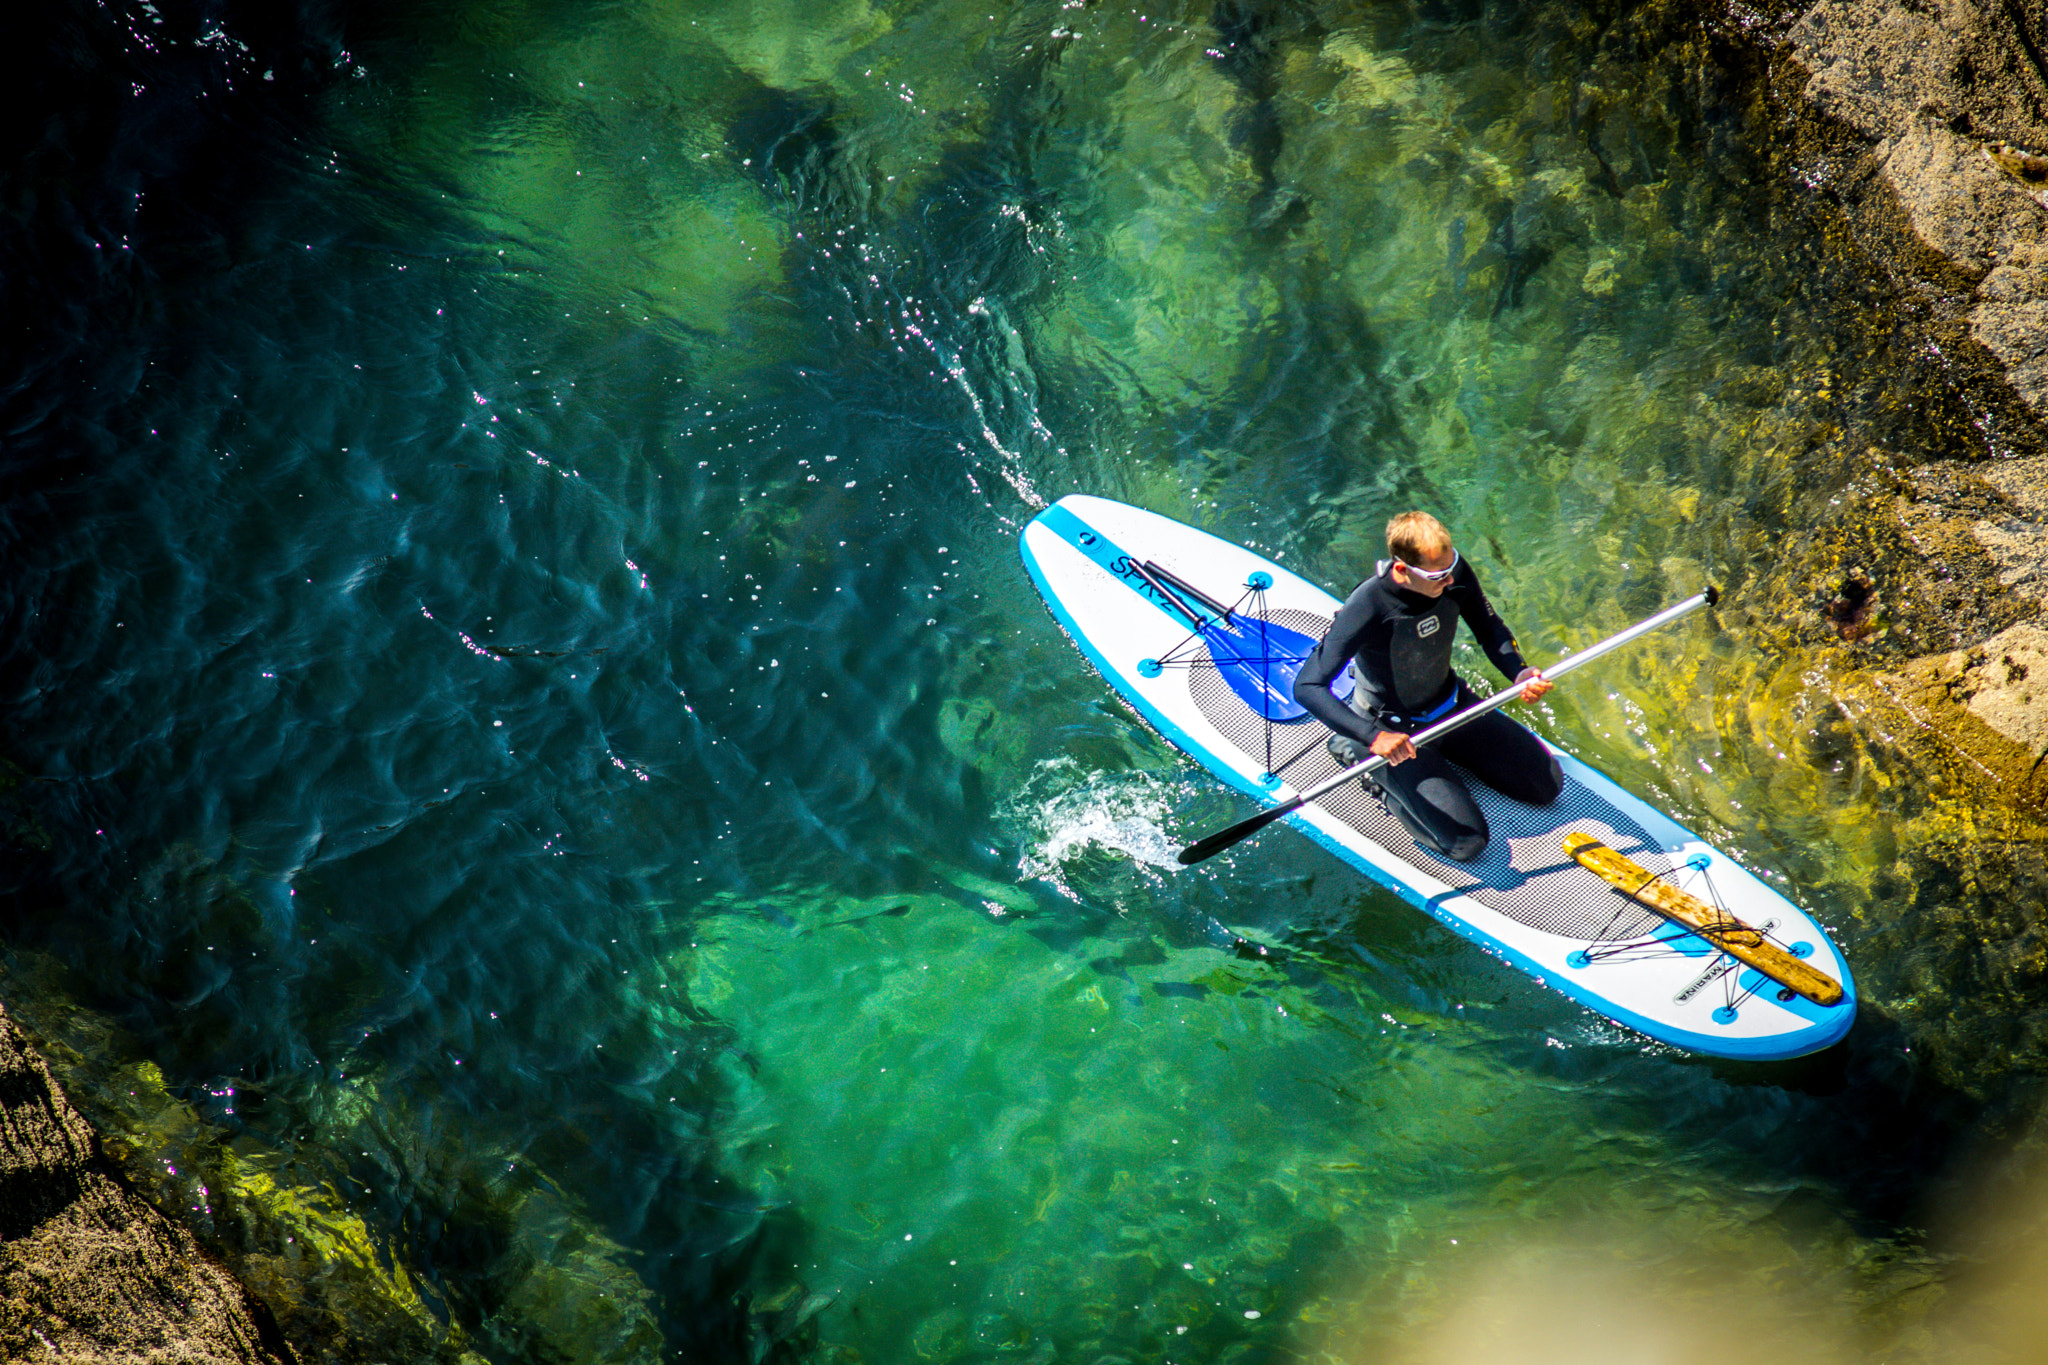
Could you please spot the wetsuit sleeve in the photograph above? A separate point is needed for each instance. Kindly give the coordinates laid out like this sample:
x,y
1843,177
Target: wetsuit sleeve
x,y
1488,629
1325,662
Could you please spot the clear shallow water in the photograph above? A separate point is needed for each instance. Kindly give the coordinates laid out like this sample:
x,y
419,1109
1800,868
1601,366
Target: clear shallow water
x,y
518,657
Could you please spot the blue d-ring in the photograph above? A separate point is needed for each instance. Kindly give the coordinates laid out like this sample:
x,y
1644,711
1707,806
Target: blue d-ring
x,y
1724,1015
1149,668
1259,581
1269,780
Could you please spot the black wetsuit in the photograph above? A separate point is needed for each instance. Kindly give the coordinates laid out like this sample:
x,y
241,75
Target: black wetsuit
x,y
1399,643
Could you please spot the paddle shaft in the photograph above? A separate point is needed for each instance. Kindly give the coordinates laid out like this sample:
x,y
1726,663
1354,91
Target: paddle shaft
x,y
1194,618
1215,843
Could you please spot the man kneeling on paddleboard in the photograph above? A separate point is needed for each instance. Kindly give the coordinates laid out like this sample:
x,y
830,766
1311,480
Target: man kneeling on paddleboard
x,y
1394,632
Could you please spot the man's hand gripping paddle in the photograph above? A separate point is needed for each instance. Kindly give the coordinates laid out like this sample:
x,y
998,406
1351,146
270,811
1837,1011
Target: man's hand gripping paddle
x,y
1215,843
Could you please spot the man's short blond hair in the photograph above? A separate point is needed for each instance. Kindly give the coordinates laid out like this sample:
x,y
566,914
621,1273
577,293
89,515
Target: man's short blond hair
x,y
1415,536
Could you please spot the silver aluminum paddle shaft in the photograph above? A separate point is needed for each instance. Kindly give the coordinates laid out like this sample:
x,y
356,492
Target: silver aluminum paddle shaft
x,y
1216,843
1503,697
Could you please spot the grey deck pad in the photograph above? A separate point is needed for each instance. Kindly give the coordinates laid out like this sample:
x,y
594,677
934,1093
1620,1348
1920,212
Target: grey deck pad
x,y
1524,872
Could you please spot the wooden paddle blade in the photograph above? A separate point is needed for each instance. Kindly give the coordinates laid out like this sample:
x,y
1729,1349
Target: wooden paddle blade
x,y
1716,926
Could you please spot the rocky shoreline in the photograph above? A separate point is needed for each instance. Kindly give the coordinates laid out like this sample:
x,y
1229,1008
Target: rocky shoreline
x,y
1946,99
1923,124
89,1271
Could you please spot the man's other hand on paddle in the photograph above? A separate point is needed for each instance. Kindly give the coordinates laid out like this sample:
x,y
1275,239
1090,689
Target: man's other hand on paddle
x,y
1393,746
1533,685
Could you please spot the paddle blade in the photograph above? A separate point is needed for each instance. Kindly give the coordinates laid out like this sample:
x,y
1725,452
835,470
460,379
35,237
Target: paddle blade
x,y
1259,659
1211,845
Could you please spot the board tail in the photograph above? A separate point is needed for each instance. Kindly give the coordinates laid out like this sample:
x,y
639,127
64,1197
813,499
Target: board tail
x,y
1716,926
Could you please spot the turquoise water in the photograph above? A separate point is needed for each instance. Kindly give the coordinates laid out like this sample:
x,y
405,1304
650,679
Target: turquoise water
x,y
528,712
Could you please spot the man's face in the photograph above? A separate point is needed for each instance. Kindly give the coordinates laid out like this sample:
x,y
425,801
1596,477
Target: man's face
x,y
1438,562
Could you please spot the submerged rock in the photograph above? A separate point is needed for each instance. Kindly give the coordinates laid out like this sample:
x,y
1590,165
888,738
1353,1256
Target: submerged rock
x,y
325,1274
1917,122
88,1270
2017,538
1991,703
1983,703
1940,108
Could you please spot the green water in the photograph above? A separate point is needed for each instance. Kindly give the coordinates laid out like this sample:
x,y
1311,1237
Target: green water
x,y
662,887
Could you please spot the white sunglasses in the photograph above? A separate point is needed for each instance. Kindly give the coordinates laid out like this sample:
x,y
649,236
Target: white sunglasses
x,y
1433,575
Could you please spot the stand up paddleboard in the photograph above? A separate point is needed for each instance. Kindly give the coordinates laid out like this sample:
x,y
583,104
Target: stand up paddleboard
x,y
1598,895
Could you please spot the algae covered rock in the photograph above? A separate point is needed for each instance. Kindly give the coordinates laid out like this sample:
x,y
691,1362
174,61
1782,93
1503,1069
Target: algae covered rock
x,y
88,1271
1991,703
300,1230
1937,119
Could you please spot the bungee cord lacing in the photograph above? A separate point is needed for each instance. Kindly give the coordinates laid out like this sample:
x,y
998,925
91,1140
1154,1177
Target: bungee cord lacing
x,y
1662,942
1199,648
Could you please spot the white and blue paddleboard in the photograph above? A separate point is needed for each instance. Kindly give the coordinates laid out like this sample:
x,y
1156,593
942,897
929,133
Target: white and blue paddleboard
x,y
1204,637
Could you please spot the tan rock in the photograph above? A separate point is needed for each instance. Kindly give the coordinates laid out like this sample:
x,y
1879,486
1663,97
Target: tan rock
x,y
1988,706
1875,66
88,1271
2019,542
1947,97
1954,199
